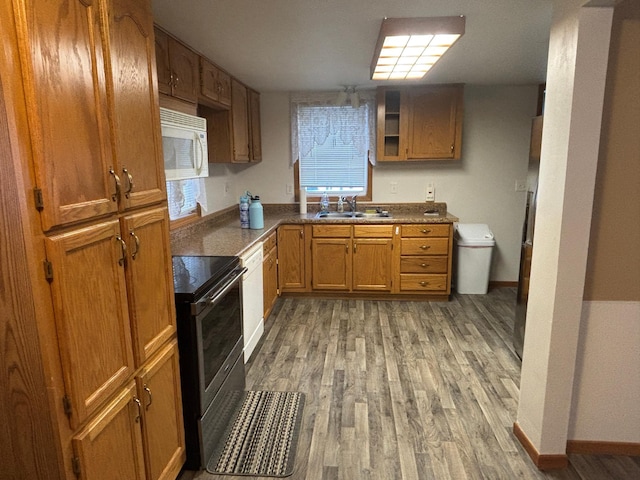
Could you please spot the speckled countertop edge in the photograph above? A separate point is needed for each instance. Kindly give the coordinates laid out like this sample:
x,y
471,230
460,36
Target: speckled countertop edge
x,y
220,234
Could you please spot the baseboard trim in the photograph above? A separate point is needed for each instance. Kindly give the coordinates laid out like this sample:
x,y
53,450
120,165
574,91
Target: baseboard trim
x,y
497,284
543,462
589,447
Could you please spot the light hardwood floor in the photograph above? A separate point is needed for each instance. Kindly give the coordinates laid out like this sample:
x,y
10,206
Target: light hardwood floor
x,y
405,390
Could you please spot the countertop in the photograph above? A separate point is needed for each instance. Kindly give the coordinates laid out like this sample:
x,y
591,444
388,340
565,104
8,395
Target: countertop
x,y
222,235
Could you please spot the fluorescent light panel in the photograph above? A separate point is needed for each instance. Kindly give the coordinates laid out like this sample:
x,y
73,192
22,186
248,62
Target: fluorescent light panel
x,y
408,47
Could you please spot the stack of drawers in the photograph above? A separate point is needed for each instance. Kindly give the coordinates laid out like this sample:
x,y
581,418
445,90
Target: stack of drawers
x,y
425,258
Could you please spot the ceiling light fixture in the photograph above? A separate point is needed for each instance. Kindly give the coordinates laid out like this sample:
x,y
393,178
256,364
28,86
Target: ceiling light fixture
x,y
408,47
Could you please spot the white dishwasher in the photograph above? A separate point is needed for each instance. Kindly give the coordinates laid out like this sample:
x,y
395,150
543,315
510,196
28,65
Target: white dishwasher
x,y
252,302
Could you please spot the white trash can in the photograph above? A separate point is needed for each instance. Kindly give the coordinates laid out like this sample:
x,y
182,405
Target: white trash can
x,y
474,246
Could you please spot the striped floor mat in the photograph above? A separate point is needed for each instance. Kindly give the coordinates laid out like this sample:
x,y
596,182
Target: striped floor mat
x,y
262,441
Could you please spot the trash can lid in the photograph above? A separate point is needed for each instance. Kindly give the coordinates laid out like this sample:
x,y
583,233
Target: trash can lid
x,y
474,235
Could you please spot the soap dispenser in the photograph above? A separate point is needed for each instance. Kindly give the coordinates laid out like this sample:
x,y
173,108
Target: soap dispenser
x,y
324,202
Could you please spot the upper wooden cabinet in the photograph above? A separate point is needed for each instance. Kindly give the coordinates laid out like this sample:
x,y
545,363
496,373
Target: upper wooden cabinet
x,y
255,131
178,68
94,153
240,121
419,123
135,115
215,84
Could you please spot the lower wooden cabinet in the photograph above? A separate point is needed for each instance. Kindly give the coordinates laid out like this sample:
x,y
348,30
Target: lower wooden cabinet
x,y
139,433
270,273
292,258
425,258
352,257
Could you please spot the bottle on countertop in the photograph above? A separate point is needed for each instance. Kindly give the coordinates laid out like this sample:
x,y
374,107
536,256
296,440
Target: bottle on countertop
x,y
256,214
340,207
324,202
244,211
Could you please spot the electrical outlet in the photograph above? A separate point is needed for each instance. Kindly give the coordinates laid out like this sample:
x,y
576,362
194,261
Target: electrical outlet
x,y
394,187
289,189
431,193
521,186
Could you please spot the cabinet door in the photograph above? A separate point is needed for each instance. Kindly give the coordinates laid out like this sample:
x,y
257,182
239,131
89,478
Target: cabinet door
x,y
110,446
90,304
65,87
331,263
291,258
434,116
136,121
209,86
240,121
224,88
270,280
162,62
149,280
163,432
185,69
256,135
372,264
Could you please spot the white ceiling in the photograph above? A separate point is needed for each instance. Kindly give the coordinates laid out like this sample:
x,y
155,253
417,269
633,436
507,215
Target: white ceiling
x,y
295,45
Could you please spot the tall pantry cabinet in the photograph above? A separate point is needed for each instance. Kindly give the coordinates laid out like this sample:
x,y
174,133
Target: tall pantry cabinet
x,y
90,383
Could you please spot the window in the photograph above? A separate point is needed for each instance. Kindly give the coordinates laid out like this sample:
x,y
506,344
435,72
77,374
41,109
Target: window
x,y
333,144
182,198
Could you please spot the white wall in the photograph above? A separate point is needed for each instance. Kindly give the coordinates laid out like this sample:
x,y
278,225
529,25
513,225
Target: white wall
x,y
478,189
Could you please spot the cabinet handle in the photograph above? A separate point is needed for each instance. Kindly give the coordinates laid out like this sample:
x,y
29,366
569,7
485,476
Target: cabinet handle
x,y
425,247
123,246
451,148
301,233
139,405
426,230
137,242
424,284
354,247
176,80
129,180
423,265
346,248
171,84
148,390
116,178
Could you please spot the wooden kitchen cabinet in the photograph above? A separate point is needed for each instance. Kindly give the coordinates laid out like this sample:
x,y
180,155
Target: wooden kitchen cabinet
x,y
215,84
425,258
270,273
292,258
139,434
352,257
419,123
255,131
240,121
178,68
87,152
134,104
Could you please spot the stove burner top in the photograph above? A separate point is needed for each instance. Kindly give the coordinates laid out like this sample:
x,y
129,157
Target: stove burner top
x,y
193,276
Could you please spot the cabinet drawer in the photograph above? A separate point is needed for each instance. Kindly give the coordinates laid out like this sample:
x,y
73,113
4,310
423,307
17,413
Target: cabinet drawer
x,y
334,231
268,244
424,246
425,230
373,231
416,282
424,264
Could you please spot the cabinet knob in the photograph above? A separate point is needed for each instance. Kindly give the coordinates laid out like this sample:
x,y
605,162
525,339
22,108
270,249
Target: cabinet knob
x,y
451,148
425,247
423,265
426,230
424,284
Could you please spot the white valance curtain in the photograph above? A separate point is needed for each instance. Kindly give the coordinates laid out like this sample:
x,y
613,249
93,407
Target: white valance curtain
x,y
357,128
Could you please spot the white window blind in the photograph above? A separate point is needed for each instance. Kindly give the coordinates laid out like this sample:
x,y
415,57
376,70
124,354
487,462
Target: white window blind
x,y
333,146
182,197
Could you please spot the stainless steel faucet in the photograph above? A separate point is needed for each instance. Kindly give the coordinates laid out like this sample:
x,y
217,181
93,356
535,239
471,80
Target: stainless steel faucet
x,y
353,205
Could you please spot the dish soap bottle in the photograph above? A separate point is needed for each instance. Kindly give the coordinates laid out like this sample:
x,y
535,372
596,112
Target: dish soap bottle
x,y
340,207
324,202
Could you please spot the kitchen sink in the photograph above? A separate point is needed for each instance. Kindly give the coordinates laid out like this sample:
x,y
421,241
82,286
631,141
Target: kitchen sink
x,y
329,215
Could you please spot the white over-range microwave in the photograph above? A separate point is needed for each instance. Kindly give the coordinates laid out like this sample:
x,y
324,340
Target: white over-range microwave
x,y
184,145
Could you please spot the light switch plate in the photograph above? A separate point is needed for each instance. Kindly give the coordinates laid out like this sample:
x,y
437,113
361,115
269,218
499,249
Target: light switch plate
x,y
431,193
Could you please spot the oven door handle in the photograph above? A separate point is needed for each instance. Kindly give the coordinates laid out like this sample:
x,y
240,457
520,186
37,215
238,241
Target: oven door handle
x,y
236,276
